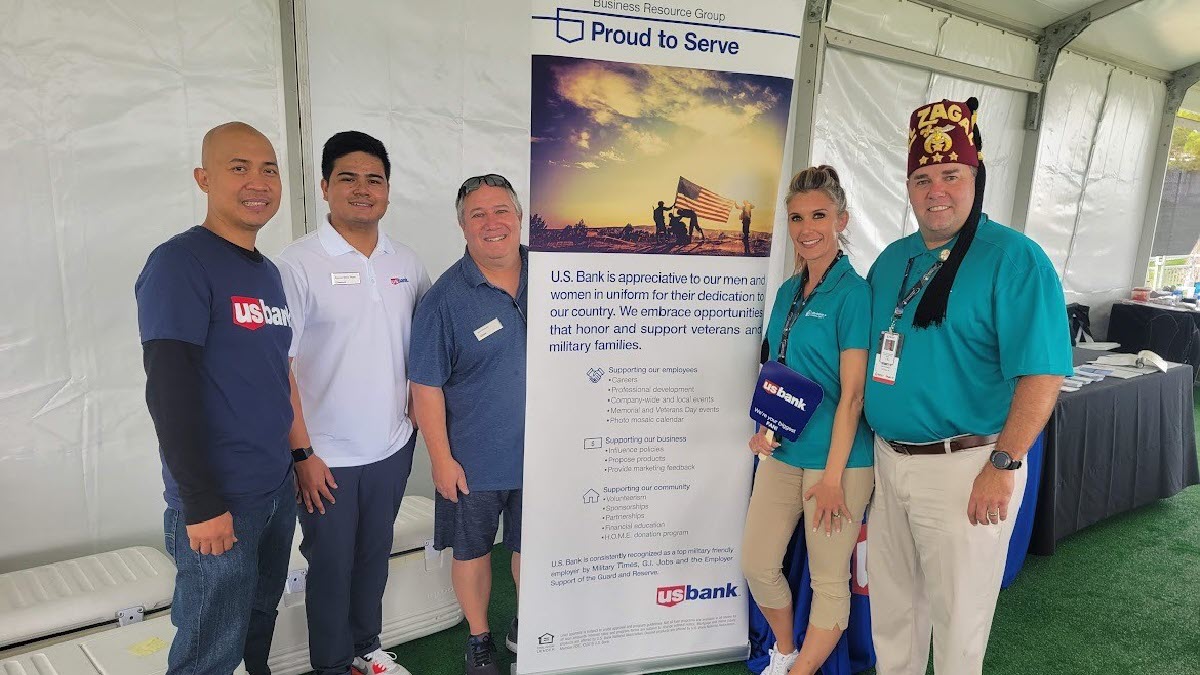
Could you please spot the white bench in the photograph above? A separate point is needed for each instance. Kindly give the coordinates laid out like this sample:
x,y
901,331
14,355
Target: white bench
x,y
65,616
93,592
135,649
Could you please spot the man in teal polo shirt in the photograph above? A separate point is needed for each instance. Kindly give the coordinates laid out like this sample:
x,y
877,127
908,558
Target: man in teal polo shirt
x,y
970,346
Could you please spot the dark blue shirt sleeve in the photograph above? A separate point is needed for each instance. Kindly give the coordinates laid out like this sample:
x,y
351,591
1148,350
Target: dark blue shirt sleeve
x,y
174,299
177,409
431,354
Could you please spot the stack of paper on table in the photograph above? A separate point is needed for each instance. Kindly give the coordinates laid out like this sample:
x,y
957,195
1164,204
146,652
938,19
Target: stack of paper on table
x,y
1084,375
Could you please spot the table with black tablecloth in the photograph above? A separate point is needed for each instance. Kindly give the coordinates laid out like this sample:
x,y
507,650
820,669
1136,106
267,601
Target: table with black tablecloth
x,y
1171,332
1113,446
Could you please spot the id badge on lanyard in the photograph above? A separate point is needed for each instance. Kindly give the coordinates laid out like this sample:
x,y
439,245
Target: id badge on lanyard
x,y
887,359
887,362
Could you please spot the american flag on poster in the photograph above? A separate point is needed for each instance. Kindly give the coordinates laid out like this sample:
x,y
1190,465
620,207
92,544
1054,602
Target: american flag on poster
x,y
706,203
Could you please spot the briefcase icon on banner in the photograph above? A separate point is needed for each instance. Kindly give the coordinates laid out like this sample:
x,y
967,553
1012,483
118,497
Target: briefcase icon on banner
x,y
784,400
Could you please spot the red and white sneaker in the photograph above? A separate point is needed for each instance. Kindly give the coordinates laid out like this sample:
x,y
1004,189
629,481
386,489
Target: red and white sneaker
x,y
378,662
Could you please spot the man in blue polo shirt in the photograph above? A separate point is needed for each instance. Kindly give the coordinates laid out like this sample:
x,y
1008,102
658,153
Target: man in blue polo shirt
x,y
970,347
215,330
468,380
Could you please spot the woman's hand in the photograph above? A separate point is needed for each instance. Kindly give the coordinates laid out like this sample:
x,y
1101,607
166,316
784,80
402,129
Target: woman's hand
x,y
759,444
831,506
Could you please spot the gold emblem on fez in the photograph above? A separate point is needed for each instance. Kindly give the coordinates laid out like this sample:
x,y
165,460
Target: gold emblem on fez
x,y
938,140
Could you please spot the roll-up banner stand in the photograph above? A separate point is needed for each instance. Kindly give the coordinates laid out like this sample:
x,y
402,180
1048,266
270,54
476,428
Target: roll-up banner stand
x,y
657,144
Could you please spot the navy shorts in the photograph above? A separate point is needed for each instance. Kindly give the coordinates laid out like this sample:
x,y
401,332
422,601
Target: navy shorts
x,y
469,526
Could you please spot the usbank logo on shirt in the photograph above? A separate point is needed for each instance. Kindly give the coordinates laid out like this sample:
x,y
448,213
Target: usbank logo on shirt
x,y
777,390
254,313
669,596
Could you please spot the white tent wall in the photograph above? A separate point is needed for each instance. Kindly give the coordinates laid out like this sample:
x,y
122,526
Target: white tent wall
x,y
861,130
445,86
1094,161
105,105
862,120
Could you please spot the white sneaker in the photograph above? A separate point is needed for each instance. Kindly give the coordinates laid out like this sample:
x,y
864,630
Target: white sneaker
x,y
780,663
379,662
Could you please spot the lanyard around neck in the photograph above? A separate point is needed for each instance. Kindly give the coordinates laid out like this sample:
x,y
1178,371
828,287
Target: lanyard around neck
x,y
902,298
799,302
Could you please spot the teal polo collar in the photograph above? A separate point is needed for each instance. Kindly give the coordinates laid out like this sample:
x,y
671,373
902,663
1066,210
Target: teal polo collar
x,y
839,270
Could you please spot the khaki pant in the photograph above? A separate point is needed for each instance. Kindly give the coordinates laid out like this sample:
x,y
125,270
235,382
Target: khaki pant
x,y
775,507
929,568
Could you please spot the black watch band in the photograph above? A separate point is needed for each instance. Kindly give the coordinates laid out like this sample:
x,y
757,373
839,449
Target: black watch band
x,y
301,454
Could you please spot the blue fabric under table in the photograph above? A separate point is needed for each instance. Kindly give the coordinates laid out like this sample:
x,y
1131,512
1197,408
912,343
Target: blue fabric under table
x,y
855,651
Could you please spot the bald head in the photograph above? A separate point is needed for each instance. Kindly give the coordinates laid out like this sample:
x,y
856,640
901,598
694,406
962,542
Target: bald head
x,y
219,137
240,174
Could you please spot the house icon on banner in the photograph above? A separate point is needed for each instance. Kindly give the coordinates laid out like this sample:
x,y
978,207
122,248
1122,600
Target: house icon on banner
x,y
545,639
591,497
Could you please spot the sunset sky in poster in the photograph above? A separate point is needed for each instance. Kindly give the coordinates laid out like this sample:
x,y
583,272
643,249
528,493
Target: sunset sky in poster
x,y
612,139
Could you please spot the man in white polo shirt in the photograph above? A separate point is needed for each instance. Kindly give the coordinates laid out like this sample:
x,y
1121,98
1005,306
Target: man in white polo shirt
x,y
352,292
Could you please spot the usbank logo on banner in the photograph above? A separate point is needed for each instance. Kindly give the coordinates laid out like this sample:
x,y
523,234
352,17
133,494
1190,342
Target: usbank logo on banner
x,y
669,596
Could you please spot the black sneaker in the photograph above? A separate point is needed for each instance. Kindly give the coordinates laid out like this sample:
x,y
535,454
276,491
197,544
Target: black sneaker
x,y
479,655
510,640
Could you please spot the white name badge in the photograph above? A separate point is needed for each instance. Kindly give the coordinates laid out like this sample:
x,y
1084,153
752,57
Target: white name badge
x,y
487,329
887,362
344,278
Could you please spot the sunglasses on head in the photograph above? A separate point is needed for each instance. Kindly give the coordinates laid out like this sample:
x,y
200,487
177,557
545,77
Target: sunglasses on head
x,y
475,182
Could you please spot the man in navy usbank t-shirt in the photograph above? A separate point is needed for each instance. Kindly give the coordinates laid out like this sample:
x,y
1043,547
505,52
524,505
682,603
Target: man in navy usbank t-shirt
x,y
215,331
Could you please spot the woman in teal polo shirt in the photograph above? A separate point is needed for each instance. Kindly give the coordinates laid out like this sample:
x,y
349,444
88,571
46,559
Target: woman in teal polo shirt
x,y
822,318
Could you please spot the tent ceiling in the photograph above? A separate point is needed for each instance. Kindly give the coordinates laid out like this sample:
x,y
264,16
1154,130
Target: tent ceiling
x,y
1039,13
1160,34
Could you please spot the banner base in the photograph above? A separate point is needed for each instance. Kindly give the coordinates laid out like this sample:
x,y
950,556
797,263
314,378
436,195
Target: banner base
x,y
655,665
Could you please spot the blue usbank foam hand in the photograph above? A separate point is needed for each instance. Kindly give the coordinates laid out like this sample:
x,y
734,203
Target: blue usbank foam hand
x,y
784,400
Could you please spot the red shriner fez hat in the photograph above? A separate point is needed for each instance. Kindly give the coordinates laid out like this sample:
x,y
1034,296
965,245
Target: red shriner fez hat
x,y
940,133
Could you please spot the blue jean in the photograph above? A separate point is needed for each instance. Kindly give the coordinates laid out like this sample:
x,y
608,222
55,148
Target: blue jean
x,y
347,549
225,605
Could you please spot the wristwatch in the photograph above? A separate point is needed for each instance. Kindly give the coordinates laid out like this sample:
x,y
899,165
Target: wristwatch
x,y
301,454
1004,461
